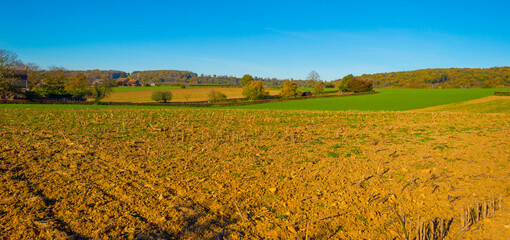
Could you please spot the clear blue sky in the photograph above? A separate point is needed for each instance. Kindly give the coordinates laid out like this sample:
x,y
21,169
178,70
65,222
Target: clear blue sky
x,y
283,39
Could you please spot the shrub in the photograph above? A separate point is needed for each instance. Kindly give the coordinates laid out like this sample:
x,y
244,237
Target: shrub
x,y
502,93
162,96
100,90
358,84
220,96
216,96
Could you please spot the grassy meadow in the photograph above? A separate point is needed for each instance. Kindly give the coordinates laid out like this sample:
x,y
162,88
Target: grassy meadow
x,y
386,100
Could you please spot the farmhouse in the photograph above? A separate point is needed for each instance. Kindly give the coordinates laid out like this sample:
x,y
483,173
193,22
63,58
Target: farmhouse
x,y
133,83
121,82
15,85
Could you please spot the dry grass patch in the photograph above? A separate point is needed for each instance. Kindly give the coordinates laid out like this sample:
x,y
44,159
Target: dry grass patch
x,y
179,95
491,104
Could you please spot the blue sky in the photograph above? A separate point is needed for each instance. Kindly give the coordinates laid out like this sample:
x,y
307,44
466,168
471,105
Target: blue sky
x,y
282,39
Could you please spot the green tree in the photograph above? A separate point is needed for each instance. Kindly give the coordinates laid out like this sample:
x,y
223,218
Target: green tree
x,y
255,90
318,88
289,89
101,89
216,96
163,96
342,85
246,80
78,86
54,81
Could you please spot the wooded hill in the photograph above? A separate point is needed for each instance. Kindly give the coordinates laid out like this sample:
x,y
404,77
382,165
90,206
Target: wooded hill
x,y
187,77
94,75
423,78
168,77
443,77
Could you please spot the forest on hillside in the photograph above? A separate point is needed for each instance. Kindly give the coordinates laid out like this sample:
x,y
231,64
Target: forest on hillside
x,y
92,75
495,77
443,78
187,77
164,77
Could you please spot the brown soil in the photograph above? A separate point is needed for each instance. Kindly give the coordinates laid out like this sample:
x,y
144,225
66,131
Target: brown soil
x,y
232,174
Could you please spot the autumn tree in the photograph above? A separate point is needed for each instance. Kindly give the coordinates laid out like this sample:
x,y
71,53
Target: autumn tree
x,y
246,80
342,85
318,88
289,89
359,84
78,86
255,90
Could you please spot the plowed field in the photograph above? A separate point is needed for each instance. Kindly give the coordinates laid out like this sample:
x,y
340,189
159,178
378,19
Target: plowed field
x,y
247,174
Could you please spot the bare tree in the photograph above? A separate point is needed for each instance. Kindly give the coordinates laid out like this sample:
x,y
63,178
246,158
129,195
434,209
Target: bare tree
x,y
9,67
314,76
187,96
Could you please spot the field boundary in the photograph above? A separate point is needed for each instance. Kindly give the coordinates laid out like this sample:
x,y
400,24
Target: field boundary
x,y
226,103
501,93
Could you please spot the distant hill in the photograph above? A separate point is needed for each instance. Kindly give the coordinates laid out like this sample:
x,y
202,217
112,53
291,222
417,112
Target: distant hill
x,y
443,78
187,77
177,76
95,74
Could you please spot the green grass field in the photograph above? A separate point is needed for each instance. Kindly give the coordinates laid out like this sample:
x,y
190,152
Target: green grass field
x,y
386,100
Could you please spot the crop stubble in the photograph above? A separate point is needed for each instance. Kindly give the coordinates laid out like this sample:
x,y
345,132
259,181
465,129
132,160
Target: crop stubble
x,y
196,173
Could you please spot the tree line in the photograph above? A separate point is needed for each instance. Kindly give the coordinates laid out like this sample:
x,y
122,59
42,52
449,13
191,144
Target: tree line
x,y
495,77
188,77
20,80
28,81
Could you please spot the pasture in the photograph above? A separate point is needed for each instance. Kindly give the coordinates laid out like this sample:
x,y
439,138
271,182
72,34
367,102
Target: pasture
x,y
245,174
386,100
